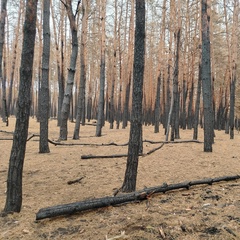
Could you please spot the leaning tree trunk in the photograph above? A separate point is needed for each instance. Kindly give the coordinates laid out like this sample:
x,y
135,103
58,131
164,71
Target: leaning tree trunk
x,y
206,78
134,146
14,181
44,88
100,118
71,73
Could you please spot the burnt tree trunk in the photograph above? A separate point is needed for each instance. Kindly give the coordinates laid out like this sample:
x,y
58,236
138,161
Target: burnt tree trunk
x,y
100,117
14,181
141,195
2,77
157,106
82,87
44,89
66,104
134,146
197,104
175,109
206,78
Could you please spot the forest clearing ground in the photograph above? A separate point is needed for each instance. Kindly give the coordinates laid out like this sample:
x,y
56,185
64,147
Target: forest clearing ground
x,y
203,212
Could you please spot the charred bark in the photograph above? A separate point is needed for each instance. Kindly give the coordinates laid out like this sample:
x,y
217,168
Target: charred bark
x,y
71,208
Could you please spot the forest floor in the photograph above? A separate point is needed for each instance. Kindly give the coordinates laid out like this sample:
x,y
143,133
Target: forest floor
x,y
202,212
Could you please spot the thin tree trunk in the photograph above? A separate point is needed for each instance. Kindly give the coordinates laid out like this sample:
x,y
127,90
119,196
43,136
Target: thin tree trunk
x,y
82,87
14,58
2,78
128,64
39,67
65,112
126,103
102,72
59,76
157,106
234,67
44,89
114,74
119,104
190,106
197,104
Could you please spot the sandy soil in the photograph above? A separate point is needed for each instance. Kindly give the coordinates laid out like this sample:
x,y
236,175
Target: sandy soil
x,y
203,212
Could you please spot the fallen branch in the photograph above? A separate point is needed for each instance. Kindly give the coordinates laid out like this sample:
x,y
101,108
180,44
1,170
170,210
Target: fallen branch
x,y
103,156
155,149
58,143
3,131
178,141
230,231
33,135
71,208
90,156
86,144
75,181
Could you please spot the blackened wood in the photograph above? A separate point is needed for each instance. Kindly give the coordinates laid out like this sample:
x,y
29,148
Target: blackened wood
x,y
15,171
155,149
157,106
103,156
197,104
75,181
44,87
90,204
206,78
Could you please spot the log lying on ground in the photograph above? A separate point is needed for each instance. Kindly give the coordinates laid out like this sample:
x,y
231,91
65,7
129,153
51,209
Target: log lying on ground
x,y
103,156
56,143
3,131
87,144
178,141
90,156
76,207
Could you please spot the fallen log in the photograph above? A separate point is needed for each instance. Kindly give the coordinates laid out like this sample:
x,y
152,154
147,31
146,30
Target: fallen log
x,y
90,156
178,141
90,204
3,131
103,156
